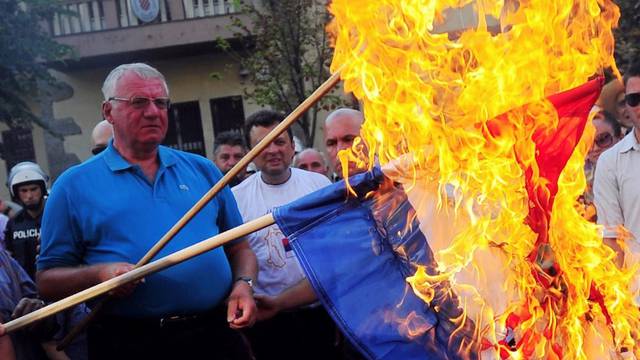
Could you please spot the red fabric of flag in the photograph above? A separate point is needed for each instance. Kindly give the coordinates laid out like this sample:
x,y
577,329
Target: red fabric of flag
x,y
553,147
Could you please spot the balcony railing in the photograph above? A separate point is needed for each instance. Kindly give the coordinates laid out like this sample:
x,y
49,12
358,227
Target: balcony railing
x,y
85,16
97,15
202,8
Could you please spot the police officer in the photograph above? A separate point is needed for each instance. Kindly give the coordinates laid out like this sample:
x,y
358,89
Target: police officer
x,y
28,186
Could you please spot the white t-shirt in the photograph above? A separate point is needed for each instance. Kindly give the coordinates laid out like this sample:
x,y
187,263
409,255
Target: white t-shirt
x,y
279,267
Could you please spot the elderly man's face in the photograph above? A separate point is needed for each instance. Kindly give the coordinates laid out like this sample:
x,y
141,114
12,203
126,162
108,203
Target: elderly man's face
x,y
311,161
137,128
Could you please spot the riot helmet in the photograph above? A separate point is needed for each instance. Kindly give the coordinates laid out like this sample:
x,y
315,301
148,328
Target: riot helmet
x,y
26,172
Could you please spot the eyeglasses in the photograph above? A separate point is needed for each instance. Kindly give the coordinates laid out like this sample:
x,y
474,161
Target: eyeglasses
x,y
632,99
141,102
603,140
98,149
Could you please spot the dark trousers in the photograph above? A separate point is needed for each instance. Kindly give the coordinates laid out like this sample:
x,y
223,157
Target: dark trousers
x,y
303,334
206,336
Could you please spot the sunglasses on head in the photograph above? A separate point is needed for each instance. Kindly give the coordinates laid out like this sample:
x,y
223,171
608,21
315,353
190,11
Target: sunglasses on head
x,y
603,140
632,99
98,149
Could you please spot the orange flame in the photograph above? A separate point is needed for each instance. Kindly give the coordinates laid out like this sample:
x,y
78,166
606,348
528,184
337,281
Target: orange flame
x,y
431,92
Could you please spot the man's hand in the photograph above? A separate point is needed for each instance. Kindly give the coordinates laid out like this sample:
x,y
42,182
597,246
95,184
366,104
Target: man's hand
x,y
241,308
25,306
42,329
268,306
111,270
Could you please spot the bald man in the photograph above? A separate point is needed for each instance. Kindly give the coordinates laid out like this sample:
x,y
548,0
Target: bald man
x,y
100,136
311,160
341,128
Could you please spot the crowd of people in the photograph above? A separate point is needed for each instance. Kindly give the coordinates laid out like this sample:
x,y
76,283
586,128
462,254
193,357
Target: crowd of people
x,y
248,299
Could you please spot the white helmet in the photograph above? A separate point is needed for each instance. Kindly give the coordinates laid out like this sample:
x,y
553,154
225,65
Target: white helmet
x,y
25,172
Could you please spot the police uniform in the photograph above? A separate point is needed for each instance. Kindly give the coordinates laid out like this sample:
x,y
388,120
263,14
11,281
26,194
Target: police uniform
x,y
22,233
21,238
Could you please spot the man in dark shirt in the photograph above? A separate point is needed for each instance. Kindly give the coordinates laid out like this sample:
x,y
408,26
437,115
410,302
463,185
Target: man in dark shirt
x,y
28,186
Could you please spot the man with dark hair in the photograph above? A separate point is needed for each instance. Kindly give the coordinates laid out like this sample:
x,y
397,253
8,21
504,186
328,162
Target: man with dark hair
x,y
264,118
228,148
616,189
103,215
302,332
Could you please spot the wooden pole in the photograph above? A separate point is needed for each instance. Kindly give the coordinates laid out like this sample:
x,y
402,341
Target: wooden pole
x,y
140,272
322,90
242,164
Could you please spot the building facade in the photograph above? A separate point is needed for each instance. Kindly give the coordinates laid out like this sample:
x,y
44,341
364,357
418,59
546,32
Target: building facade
x,y
175,36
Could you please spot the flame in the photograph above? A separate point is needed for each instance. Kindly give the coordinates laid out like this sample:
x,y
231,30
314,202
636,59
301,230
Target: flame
x,y
465,108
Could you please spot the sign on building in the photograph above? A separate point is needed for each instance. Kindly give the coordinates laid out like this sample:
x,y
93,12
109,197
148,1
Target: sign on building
x,y
145,10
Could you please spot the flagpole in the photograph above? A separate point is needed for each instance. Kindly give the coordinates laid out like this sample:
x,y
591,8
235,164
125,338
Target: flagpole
x,y
140,272
322,90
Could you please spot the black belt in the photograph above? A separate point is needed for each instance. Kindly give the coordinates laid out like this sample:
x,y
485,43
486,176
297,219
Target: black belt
x,y
165,322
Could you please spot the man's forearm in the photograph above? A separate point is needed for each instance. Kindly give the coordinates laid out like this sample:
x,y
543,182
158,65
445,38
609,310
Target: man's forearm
x,y
298,295
242,260
58,283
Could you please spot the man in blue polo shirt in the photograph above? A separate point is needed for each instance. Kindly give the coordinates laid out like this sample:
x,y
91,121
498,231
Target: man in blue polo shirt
x,y
103,215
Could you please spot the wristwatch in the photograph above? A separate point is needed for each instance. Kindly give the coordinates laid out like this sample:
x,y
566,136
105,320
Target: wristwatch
x,y
246,279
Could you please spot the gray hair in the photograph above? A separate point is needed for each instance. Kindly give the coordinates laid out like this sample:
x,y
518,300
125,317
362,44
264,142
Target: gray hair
x,y
345,112
143,70
309,150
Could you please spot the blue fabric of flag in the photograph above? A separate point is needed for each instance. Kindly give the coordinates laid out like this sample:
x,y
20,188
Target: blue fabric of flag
x,y
357,251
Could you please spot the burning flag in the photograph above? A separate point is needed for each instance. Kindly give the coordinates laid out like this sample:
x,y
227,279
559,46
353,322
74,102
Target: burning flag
x,y
358,253
489,144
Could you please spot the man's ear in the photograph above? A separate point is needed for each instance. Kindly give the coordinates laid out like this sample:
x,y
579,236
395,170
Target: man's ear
x,y
106,111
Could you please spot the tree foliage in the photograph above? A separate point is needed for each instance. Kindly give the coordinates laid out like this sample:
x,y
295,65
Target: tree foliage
x,y
628,33
285,53
26,49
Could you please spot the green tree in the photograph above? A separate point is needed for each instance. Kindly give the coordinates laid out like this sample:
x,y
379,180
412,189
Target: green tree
x,y
26,49
284,51
628,33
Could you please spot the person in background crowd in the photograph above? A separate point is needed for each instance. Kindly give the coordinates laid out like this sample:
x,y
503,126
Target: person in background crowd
x,y
341,129
608,133
100,136
138,191
28,185
302,332
9,208
18,297
4,219
615,187
311,160
612,101
228,149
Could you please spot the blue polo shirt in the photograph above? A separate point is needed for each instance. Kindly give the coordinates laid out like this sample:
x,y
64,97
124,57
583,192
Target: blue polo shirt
x,y
105,210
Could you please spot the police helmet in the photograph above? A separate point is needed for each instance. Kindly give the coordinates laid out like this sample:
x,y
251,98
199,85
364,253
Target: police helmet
x,y
26,172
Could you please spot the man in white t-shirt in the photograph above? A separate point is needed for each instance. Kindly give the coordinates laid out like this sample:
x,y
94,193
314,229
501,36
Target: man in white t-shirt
x,y
302,332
